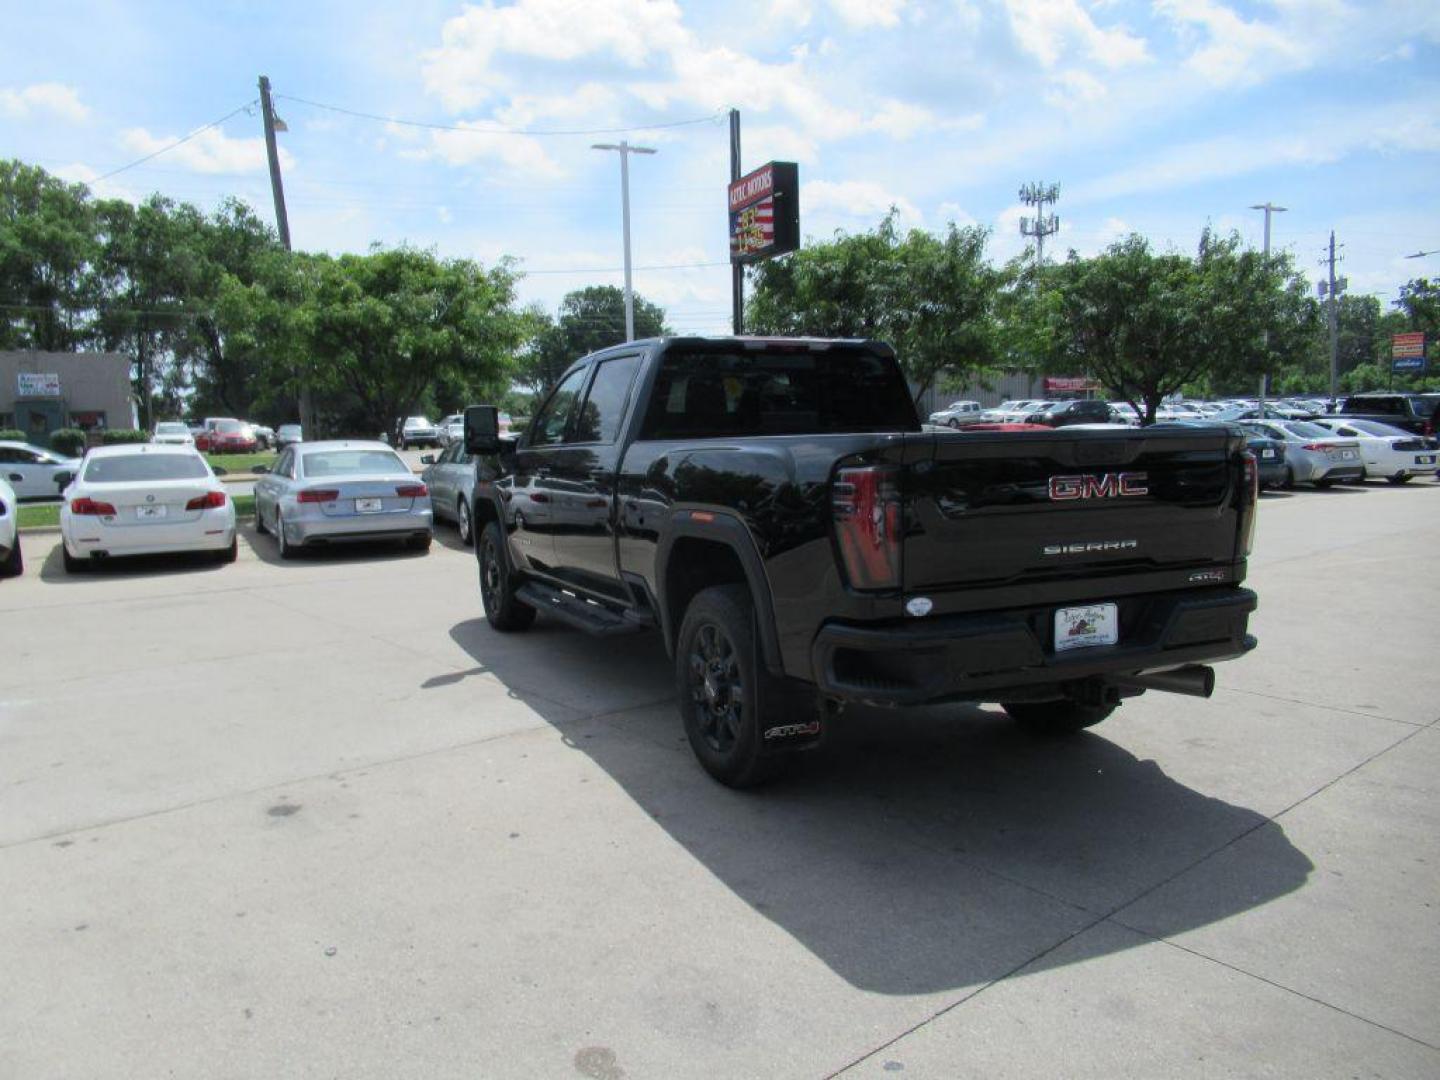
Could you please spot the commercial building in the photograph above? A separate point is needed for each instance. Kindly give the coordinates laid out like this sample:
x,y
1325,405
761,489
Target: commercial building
x,y
41,392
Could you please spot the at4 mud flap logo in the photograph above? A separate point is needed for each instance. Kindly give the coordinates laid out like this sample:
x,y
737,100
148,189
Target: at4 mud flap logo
x,y
791,731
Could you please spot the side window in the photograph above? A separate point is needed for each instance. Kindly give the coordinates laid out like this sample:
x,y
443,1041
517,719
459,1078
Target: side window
x,y
9,455
599,418
549,425
462,457
286,465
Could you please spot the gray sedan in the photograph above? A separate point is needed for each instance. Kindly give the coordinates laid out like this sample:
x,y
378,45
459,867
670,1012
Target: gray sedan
x,y
1312,454
334,492
451,480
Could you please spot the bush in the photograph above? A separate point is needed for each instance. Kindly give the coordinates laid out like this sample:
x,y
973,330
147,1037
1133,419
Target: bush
x,y
68,441
11,435
123,435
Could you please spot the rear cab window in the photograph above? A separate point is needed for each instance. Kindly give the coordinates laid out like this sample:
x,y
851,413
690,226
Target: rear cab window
x,y
781,390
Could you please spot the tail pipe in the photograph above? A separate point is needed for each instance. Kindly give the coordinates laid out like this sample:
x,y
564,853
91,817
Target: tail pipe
x,y
1194,680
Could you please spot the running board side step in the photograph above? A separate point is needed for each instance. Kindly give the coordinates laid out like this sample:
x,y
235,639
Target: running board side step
x,y
581,614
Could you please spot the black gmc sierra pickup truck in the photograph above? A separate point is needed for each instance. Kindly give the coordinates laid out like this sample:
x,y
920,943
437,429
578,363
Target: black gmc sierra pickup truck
x,y
773,508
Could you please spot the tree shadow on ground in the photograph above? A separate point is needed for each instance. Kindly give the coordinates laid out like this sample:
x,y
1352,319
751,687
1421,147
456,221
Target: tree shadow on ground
x,y
917,850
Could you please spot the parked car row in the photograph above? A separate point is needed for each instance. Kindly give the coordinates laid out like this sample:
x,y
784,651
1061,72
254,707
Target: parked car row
x,y
222,435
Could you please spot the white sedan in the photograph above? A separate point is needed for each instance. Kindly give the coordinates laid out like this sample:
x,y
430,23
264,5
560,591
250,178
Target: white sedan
x,y
173,433
11,561
145,500
1388,452
31,471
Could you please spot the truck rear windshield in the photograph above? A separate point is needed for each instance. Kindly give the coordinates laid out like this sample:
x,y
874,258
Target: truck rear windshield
x,y
707,394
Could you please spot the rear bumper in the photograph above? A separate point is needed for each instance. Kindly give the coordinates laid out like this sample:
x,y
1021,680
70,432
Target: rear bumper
x,y
393,525
980,657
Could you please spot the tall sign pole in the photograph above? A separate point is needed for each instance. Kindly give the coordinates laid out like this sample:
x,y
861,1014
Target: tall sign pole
x,y
737,271
282,226
625,150
1269,208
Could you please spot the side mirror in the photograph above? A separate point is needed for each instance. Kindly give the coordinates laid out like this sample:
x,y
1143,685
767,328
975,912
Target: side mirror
x,y
258,470
427,459
63,479
482,429
219,470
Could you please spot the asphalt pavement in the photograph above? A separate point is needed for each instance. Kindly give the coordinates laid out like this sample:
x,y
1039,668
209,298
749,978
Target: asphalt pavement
x,y
315,819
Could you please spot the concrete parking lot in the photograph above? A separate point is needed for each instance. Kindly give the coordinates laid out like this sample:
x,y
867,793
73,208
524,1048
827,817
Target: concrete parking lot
x,y
315,819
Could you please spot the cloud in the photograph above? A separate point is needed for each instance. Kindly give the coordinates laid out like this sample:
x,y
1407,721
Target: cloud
x,y
1074,90
210,151
80,173
954,213
57,99
1049,29
1234,47
856,199
861,14
474,144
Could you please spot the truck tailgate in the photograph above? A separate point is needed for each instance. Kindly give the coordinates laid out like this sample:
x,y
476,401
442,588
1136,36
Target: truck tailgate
x,y
986,510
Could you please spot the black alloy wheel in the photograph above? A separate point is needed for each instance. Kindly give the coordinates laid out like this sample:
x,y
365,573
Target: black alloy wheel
x,y
504,610
722,689
717,688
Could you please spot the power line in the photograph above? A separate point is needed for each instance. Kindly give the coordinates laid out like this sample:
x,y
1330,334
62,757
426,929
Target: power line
x,y
178,142
621,269
709,118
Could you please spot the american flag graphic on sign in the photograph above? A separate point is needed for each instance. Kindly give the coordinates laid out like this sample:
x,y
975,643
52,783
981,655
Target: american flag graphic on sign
x,y
753,229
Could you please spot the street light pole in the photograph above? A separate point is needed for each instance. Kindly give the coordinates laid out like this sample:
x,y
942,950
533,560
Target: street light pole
x,y
1269,208
625,150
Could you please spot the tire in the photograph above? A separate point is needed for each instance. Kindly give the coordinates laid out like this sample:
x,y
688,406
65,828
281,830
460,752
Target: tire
x,y
1051,718
72,564
230,554
505,611
1399,479
463,522
1324,485
1288,484
723,690
14,564
260,521
418,543
283,547
953,424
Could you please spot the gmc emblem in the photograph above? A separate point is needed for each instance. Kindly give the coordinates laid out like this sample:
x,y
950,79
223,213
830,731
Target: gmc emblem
x,y
1105,486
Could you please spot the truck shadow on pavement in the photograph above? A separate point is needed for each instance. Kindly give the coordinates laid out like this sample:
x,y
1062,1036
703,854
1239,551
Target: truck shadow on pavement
x,y
918,850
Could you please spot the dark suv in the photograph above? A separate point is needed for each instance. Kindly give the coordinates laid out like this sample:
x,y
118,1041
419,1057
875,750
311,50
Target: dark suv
x,y
1075,412
1409,412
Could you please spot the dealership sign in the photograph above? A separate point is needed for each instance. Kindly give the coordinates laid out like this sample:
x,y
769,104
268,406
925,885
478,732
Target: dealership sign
x,y
765,212
37,384
1407,352
1069,384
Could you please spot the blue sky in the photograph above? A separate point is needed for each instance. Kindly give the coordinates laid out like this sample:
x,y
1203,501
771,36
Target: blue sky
x,y
1156,117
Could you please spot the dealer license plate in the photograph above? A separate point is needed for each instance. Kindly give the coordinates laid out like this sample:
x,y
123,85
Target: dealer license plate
x,y
1267,453
368,506
1095,624
150,511
1425,459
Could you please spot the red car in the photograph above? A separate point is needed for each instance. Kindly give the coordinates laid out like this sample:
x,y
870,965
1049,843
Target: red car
x,y
225,436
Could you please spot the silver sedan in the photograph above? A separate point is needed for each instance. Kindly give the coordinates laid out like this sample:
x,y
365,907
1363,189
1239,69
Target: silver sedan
x,y
334,492
451,480
1312,454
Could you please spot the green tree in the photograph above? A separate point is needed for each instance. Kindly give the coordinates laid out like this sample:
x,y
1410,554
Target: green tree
x,y
934,298
48,245
1146,325
589,319
382,328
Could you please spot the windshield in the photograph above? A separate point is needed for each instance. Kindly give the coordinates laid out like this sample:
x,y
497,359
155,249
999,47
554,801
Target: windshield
x,y
353,463
1307,430
416,421
171,429
229,427
127,468
700,393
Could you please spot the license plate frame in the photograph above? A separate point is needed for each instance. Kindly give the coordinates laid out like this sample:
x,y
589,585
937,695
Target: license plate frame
x,y
1267,453
151,512
369,506
1348,455
1087,626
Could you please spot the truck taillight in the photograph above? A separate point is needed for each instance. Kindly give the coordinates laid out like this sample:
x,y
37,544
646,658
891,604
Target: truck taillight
x,y
1248,511
91,508
211,500
866,507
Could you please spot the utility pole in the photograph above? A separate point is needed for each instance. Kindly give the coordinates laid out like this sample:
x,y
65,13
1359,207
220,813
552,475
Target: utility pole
x,y
282,225
737,270
1269,208
1042,224
625,150
1332,288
